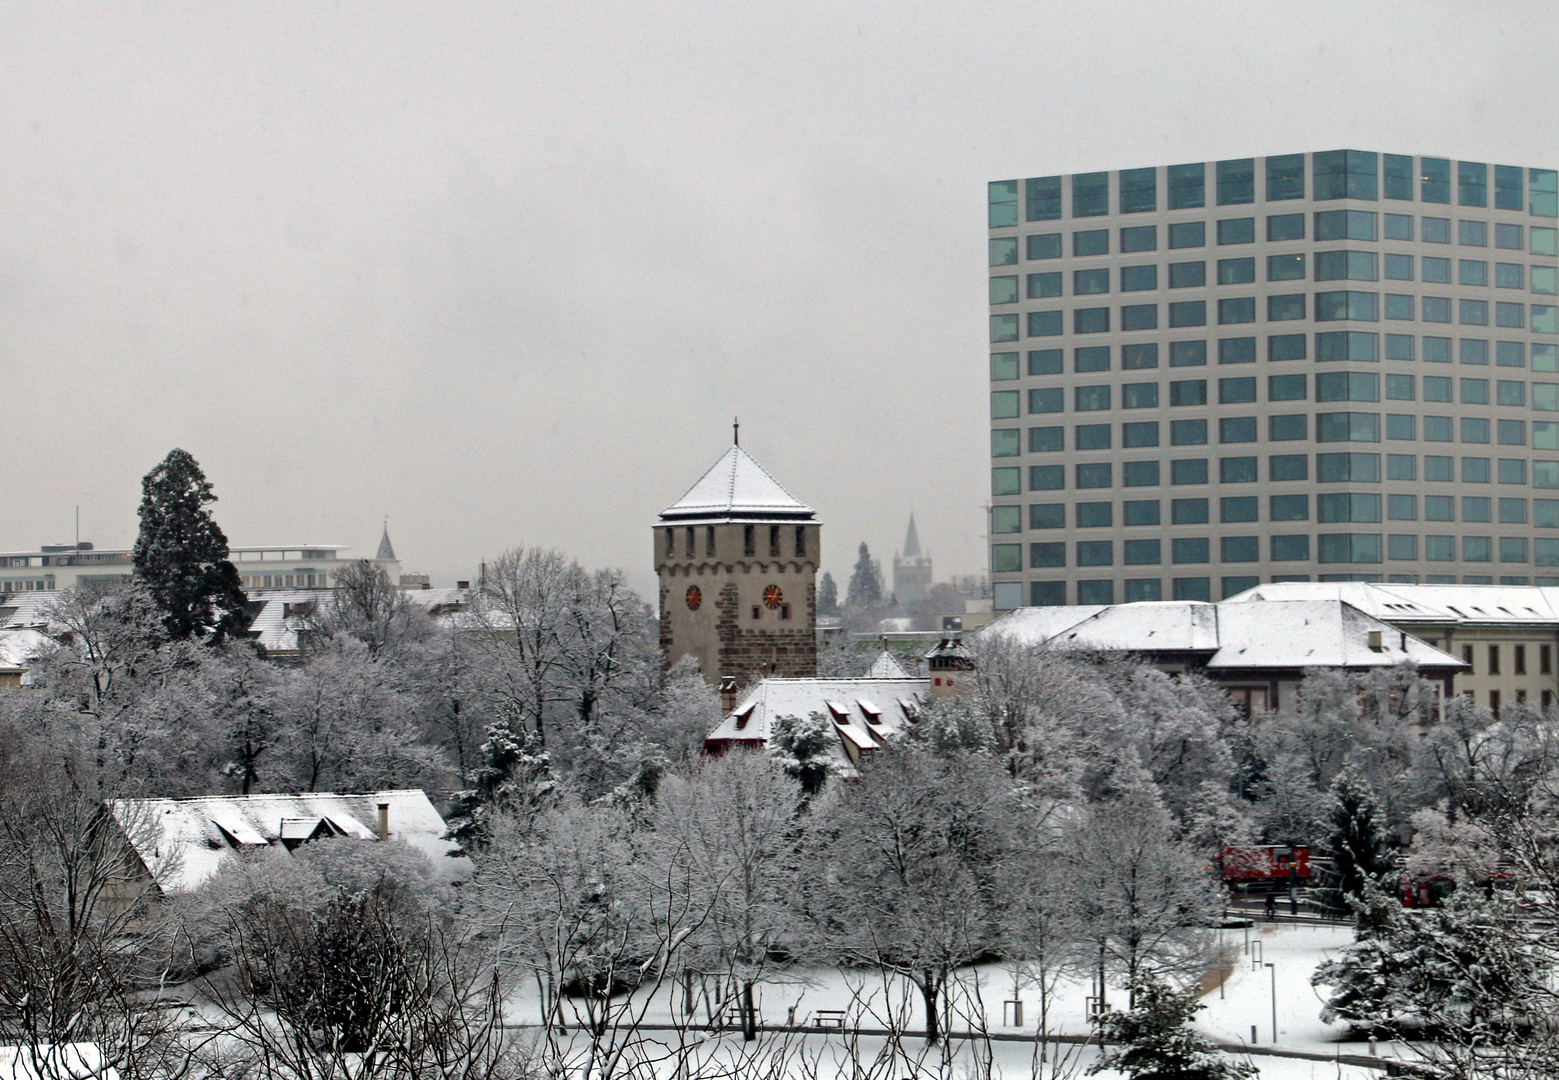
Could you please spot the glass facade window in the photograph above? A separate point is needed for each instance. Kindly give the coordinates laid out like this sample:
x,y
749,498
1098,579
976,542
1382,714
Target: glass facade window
x,y
1091,437
1544,193
1287,346
1285,227
1509,276
1285,177
1004,290
1139,238
1238,509
1346,174
1237,470
1004,328
1190,550
1288,507
1046,399
1509,188
1236,310
1188,433
1188,234
1044,246
1044,286
1044,362
1138,435
1187,186
1140,512
1290,427
1236,181
1096,553
1397,176
1004,366
1399,346
1237,231
1347,386
1139,356
1005,442
1188,392
1472,233
1139,396
1348,305
1091,320
1139,474
1185,313
1434,185
1139,278
1347,345
1047,478
1002,200
1345,468
1090,194
1288,467
1188,511
1236,391
1472,183
1089,242
1287,387
1510,237
1236,429
1346,225
1239,549
1348,548
1047,440
1139,191
1047,555
1187,275
1346,266
1286,267
1193,354
1094,475
1399,267
1004,251
1183,471
1139,317
1397,226
1236,271
1040,324
1042,198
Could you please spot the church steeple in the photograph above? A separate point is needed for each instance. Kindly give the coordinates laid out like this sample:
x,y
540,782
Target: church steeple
x,y
386,550
911,541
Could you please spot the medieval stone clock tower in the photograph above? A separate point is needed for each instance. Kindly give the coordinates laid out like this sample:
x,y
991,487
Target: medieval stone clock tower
x,y
737,558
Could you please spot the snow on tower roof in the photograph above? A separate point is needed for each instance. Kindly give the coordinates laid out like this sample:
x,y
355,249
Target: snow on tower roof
x,y
736,486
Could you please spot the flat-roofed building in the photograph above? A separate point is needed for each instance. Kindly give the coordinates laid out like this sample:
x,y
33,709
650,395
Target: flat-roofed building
x,y
1333,366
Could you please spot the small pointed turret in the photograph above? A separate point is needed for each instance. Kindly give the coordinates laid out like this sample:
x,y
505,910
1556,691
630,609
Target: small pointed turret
x,y
386,550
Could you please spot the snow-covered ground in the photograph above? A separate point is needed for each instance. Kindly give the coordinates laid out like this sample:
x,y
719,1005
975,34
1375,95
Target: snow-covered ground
x,y
1246,999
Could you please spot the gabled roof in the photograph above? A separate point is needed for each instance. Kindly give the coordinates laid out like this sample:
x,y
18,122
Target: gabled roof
x,y
886,666
864,712
184,842
737,487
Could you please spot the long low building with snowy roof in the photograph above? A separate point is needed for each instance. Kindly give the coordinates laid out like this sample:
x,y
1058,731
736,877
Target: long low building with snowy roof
x,y
1507,636
182,843
1259,652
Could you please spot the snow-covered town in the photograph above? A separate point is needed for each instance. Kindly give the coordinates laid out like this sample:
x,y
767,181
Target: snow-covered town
x,y
530,553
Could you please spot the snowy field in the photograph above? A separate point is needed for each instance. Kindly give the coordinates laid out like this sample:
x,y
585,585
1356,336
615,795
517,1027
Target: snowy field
x,y
979,1000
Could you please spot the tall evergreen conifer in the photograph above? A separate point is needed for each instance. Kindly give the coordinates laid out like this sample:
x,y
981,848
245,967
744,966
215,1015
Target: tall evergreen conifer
x,y
865,581
827,596
181,553
1357,842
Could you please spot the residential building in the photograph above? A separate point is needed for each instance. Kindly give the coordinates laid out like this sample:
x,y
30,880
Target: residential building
x,y
737,560
182,843
1258,652
1333,366
863,713
1506,635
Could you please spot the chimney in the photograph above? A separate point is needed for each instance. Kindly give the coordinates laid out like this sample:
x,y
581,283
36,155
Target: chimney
x,y
727,693
384,821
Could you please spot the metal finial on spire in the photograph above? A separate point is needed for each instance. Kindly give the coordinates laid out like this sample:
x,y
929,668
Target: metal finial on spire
x,y
736,431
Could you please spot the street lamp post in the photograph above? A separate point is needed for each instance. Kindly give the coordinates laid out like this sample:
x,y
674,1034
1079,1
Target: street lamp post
x,y
1274,972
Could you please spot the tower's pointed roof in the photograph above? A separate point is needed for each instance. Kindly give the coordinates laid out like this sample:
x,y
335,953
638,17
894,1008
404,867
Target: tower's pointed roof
x,y
386,550
911,541
737,487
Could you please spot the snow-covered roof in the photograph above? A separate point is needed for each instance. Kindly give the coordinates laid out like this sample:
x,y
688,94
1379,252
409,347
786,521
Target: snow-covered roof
x,y
886,666
26,609
1296,633
19,646
183,842
736,486
283,615
1431,604
863,711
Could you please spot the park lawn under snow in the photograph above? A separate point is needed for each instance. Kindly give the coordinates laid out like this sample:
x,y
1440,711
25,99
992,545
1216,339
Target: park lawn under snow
x,y
1294,950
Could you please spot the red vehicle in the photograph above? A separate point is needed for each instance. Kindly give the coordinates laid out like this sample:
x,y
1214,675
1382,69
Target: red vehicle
x,y
1273,868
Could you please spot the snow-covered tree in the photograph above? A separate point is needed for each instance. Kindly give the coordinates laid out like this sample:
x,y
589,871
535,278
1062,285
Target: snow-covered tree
x,y
827,595
1154,1040
1356,842
1462,965
802,747
865,581
181,552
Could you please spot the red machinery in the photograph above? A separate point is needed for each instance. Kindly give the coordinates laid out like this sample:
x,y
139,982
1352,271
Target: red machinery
x,y
1272,868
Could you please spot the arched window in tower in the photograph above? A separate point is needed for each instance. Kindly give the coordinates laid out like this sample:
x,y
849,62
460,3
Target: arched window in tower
x,y
749,540
801,541
690,551
774,543
709,540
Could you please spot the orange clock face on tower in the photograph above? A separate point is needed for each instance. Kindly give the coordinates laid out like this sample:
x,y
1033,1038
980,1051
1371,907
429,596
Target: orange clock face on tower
x,y
772,597
695,597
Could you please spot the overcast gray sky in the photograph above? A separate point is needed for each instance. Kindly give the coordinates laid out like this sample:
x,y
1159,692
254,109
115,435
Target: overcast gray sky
x,y
505,272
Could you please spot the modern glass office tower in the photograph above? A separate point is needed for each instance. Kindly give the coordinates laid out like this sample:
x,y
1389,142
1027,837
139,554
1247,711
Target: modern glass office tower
x,y
1338,366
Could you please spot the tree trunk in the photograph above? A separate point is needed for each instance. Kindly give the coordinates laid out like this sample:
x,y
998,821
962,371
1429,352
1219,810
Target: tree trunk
x,y
749,1013
928,990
